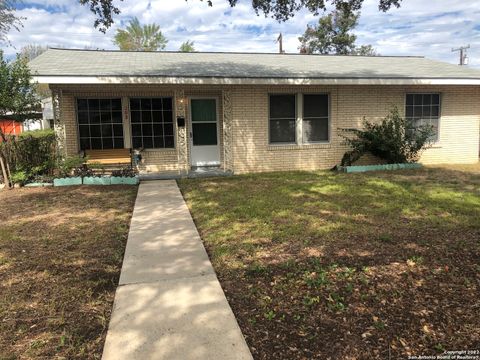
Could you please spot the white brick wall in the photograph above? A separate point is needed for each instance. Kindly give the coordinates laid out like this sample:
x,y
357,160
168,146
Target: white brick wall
x,y
459,123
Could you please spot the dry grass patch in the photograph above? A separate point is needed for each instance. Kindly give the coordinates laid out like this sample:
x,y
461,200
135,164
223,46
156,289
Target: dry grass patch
x,y
61,251
347,266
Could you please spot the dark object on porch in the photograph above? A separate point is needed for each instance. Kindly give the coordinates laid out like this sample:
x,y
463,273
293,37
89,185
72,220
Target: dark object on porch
x,y
110,157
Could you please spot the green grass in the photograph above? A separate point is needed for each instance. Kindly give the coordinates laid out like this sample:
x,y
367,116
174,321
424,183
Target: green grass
x,y
334,249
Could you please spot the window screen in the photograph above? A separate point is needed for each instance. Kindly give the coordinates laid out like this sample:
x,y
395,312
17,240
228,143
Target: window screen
x,y
424,109
282,118
204,121
152,122
100,124
315,118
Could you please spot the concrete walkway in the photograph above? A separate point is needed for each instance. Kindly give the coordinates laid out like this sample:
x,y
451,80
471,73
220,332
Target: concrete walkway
x,y
169,303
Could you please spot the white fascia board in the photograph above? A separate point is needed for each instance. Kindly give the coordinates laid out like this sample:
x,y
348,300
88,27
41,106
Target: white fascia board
x,y
136,80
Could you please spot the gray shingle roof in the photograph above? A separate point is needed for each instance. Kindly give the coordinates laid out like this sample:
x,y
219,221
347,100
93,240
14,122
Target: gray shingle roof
x,y
61,62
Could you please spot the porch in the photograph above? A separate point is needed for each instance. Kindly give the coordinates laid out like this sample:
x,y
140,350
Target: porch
x,y
177,131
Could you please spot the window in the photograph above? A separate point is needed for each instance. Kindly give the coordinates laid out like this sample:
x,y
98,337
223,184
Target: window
x,y
152,123
100,124
282,118
423,109
315,118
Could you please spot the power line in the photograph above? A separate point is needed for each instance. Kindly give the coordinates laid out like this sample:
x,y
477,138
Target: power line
x,y
463,54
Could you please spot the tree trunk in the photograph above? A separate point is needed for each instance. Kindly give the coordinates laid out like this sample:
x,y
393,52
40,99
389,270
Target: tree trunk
x,y
6,179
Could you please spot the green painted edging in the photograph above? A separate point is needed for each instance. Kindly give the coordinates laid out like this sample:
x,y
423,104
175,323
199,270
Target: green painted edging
x,y
38,185
118,180
67,181
96,180
364,168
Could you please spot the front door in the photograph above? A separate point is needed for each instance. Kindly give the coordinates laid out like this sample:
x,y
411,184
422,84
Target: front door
x,y
204,132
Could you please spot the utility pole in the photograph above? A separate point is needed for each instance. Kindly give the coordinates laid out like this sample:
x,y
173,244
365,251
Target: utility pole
x,y
463,54
280,44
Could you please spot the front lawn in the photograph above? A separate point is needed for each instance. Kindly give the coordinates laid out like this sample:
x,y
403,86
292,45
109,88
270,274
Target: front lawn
x,y
61,250
347,266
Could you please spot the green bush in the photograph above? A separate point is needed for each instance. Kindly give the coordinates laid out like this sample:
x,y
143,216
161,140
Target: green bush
x,y
394,139
19,177
33,153
66,166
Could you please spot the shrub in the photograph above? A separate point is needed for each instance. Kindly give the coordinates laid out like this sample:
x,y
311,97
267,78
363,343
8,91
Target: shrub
x,y
32,153
19,177
127,171
67,166
394,139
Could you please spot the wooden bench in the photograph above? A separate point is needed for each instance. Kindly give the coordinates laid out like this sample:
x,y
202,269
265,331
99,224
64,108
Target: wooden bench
x,y
111,157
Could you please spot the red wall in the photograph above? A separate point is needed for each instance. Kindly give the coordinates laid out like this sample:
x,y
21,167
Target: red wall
x,y
10,127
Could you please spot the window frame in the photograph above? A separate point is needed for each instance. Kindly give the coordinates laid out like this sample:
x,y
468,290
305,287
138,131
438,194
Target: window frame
x,y
93,97
329,118
436,139
295,119
174,120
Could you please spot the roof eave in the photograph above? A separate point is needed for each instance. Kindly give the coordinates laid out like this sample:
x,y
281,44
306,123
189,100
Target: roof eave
x,y
249,81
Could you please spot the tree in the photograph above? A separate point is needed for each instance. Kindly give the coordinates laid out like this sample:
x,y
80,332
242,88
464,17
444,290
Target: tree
x,y
187,46
140,38
31,51
8,19
18,99
365,50
333,35
280,10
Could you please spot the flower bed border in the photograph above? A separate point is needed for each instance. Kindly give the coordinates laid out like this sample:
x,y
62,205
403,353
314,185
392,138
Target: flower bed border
x,y
365,168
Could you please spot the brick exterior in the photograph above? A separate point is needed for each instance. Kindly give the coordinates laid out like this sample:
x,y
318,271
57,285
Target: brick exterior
x,y
251,152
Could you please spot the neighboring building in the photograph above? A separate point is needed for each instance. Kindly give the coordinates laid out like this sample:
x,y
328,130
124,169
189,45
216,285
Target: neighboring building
x,y
10,127
253,112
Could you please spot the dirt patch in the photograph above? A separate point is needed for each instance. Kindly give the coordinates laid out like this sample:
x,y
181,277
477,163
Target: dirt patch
x,y
61,251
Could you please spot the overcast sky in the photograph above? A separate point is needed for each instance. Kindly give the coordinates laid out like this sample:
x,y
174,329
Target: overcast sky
x,y
419,27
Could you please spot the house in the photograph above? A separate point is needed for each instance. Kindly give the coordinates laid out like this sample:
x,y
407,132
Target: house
x,y
248,112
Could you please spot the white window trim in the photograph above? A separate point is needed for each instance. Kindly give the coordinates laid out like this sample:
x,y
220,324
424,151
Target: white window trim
x,y
299,105
440,100
329,119
295,142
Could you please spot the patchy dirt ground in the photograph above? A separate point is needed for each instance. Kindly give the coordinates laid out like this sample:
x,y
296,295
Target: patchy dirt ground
x,y
61,251
347,266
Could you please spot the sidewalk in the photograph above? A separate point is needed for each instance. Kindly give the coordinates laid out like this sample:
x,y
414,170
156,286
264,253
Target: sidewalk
x,y
169,303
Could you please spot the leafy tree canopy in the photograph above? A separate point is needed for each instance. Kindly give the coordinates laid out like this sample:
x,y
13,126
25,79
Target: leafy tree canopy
x,y
18,98
8,20
281,10
140,38
333,35
187,46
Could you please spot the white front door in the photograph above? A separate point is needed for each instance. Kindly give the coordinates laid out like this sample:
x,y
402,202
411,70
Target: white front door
x,y
204,132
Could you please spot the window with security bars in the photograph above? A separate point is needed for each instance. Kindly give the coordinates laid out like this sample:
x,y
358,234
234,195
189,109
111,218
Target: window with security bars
x,y
152,122
100,124
424,109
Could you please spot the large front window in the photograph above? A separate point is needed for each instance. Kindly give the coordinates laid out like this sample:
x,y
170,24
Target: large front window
x,y
152,122
424,109
100,124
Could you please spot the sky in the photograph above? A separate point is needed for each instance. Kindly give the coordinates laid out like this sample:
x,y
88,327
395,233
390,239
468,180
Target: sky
x,y
419,27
